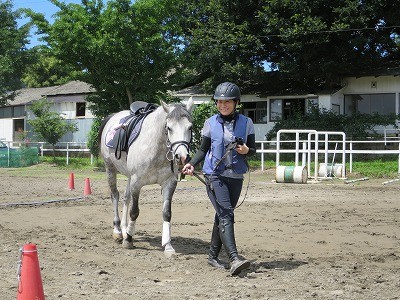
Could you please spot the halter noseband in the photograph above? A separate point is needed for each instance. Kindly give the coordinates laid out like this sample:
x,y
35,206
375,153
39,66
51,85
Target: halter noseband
x,y
171,153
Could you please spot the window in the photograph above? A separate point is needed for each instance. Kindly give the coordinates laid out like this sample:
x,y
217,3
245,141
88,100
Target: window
x,y
286,108
6,112
257,111
18,111
336,108
382,104
80,109
311,103
275,110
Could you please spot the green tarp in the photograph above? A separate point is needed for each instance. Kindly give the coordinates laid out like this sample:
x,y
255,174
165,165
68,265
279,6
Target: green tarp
x,y
21,157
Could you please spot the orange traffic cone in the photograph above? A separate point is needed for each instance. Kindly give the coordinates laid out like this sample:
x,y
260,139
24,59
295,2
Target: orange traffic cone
x,y
71,181
87,190
29,280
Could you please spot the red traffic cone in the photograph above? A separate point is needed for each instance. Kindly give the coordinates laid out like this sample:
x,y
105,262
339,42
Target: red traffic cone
x,y
87,190
29,280
71,181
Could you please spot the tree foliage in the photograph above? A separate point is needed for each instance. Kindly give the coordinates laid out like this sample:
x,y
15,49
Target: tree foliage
x,y
312,44
221,43
13,56
49,125
137,50
125,50
200,114
316,42
47,70
93,137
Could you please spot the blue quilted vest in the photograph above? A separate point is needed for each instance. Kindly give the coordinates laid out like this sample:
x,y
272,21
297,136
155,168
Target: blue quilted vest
x,y
217,149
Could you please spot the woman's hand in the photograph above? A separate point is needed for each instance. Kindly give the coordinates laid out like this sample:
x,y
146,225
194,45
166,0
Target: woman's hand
x,y
188,169
242,149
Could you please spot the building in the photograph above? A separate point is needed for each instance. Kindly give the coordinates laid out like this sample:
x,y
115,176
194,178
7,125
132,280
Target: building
x,y
375,92
69,101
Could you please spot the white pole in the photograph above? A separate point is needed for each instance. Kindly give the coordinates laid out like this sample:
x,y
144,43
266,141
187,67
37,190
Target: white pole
x,y
351,157
303,155
296,156
67,154
262,156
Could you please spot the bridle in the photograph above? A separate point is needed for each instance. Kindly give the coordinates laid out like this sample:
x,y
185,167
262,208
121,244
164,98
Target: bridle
x,y
170,155
171,152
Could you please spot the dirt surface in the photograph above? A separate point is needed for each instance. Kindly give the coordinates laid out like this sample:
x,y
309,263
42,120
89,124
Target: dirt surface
x,y
326,240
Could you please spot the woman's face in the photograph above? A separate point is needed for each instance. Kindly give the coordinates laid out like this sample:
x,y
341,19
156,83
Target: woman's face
x,y
226,107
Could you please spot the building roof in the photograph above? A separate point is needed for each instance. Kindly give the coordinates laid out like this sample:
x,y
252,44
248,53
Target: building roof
x,y
27,95
191,91
72,87
377,72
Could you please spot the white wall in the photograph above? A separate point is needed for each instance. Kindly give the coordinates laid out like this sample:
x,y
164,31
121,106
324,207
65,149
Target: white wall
x,y
68,110
6,129
364,85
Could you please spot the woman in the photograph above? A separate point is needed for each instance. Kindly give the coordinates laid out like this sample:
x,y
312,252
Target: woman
x,y
227,139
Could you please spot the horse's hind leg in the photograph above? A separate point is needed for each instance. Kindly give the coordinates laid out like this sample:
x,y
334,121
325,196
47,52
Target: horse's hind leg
x,y
131,193
112,182
168,190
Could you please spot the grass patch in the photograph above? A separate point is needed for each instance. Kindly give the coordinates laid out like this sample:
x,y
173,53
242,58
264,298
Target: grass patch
x,y
74,163
379,168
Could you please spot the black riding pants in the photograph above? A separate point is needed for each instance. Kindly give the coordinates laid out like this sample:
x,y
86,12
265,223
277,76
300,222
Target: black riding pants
x,y
224,193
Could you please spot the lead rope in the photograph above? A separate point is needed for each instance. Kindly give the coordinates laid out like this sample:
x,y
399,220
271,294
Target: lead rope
x,y
245,194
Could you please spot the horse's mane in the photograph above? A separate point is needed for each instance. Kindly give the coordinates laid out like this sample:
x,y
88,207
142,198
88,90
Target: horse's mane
x,y
179,112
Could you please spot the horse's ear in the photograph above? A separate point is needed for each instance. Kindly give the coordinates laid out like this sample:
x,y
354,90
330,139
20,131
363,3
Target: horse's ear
x,y
165,106
189,104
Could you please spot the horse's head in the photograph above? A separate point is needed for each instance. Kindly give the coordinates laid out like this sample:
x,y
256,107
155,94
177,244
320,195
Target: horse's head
x,y
178,129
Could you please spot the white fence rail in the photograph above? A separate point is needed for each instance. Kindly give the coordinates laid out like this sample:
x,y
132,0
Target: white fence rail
x,y
263,148
270,147
66,147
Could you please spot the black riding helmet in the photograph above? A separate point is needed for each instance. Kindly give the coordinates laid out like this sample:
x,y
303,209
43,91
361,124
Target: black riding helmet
x,y
227,91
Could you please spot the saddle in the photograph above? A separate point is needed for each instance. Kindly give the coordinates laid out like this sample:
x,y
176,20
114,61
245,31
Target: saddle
x,y
130,126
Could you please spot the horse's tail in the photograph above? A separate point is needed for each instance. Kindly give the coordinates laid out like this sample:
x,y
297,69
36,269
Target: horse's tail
x,y
101,128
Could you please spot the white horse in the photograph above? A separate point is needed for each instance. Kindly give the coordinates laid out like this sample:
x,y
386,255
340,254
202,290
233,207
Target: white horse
x,y
155,156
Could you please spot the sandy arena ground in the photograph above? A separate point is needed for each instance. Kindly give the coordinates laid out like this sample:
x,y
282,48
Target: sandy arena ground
x,y
327,240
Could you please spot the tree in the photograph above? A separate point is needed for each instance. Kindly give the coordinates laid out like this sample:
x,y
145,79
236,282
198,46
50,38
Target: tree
x,y
46,70
49,125
125,50
311,44
200,114
12,52
221,43
317,42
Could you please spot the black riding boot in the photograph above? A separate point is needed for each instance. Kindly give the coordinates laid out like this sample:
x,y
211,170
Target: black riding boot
x,y
227,234
215,247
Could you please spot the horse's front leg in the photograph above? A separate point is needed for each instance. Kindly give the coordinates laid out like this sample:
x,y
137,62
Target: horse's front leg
x,y
132,193
168,190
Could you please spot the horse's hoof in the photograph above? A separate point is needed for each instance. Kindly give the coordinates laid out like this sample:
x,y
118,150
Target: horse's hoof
x,y
169,253
127,245
117,237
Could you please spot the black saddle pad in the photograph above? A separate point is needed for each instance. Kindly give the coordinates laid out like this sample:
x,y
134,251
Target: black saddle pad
x,y
121,136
